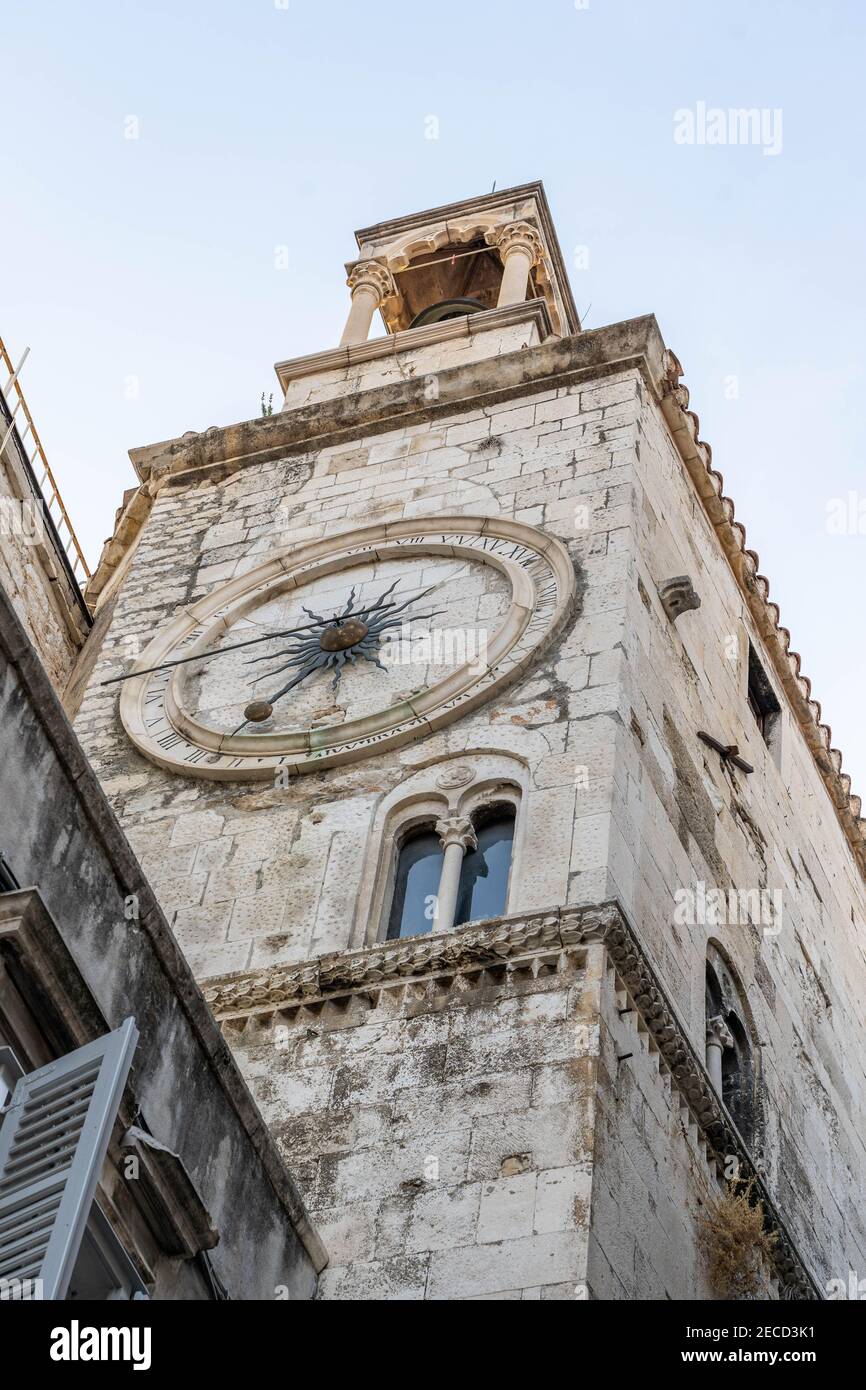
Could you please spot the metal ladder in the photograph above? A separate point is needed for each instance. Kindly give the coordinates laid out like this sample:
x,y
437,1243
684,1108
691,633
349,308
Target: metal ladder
x,y
45,484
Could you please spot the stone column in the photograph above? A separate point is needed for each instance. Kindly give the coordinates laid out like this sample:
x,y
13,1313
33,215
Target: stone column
x,y
371,284
456,836
519,247
719,1037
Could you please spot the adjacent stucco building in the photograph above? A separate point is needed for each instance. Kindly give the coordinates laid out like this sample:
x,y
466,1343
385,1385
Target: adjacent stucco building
x,y
133,1160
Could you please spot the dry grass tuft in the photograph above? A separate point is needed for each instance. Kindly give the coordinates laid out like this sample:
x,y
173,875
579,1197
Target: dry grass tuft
x,y
733,1239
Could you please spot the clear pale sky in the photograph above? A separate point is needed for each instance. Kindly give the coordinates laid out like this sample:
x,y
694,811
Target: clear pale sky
x,y
143,272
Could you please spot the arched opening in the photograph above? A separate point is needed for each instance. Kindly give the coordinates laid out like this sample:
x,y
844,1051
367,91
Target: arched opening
x,y
416,884
484,876
730,1058
453,871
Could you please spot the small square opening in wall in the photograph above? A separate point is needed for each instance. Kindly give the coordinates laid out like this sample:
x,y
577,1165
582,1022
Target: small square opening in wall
x,y
762,700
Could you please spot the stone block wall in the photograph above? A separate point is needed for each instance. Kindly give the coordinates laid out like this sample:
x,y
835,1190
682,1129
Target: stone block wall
x,y
681,816
442,1129
623,796
479,342
652,1182
248,874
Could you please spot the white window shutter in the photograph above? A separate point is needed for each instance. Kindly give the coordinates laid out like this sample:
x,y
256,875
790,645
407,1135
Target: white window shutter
x,y
53,1140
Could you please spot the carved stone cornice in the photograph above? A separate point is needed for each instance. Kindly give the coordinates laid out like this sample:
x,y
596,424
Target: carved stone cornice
x,y
393,962
509,942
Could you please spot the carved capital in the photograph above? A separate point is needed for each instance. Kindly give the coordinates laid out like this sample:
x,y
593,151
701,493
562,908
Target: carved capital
x,y
678,596
372,275
718,1033
516,236
456,830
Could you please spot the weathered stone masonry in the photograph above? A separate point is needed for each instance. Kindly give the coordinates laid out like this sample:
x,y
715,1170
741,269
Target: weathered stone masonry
x,y
557,1166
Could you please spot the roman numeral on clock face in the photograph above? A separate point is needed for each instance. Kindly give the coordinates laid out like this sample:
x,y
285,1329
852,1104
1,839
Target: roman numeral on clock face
x,y
171,740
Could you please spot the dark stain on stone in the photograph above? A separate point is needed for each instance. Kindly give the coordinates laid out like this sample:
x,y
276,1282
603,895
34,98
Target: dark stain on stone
x,y
753,833
696,814
811,880
490,448
764,980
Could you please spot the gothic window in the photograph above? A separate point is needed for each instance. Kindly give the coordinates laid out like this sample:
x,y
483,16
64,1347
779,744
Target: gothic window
x,y
484,873
730,1054
416,884
453,871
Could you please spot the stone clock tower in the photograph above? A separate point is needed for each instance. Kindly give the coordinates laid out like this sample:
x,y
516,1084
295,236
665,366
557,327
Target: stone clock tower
x,y
452,723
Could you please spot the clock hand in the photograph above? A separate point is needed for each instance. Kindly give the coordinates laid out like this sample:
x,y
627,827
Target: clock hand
x,y
221,651
302,675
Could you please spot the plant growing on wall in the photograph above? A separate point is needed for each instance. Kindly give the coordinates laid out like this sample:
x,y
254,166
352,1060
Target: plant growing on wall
x,y
268,406
737,1247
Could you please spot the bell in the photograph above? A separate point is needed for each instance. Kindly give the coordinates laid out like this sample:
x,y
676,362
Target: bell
x,y
448,309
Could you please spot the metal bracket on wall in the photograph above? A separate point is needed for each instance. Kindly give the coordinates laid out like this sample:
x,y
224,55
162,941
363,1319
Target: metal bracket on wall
x,y
728,752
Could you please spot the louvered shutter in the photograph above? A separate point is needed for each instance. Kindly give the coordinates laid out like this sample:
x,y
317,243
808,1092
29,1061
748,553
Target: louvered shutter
x,y
53,1140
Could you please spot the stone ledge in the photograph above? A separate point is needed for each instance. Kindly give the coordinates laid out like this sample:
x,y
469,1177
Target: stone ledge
x,y
556,362
222,451
515,939
410,339
477,946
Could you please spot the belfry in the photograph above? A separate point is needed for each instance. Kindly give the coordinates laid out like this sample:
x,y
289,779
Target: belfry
x,y
423,701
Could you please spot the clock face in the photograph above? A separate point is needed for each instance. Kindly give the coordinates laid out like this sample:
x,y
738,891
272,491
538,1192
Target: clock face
x,y
342,648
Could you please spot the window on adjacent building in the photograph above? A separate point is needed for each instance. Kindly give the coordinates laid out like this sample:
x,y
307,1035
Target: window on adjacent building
x,y
103,1272
8,881
54,1136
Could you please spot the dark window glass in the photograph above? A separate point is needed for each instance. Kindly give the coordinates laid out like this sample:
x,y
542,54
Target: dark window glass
x,y
738,1075
762,700
484,877
416,884
8,881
